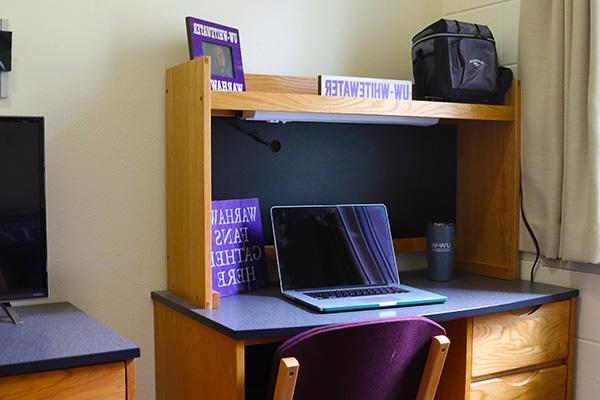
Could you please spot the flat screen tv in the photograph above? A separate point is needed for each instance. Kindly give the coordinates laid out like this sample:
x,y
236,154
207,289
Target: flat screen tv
x,y
23,246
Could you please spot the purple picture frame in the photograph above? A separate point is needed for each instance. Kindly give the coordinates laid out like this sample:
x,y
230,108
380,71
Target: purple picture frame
x,y
222,44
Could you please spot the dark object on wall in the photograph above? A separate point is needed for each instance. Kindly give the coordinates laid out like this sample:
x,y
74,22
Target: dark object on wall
x,y
457,61
440,251
5,51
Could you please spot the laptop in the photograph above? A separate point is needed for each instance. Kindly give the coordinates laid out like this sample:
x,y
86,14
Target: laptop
x,y
338,258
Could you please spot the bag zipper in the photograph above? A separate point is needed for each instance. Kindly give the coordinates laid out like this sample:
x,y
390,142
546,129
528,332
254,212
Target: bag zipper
x,y
452,35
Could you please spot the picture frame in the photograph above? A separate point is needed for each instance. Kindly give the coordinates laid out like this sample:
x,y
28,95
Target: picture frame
x,y
222,44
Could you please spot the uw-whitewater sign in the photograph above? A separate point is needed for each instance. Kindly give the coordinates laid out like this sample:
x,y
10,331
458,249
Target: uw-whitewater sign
x,y
366,88
238,253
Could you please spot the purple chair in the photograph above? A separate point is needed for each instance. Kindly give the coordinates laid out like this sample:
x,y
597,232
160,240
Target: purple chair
x,y
396,358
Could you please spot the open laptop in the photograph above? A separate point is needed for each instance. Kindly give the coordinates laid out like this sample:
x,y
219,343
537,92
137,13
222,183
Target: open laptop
x,y
337,258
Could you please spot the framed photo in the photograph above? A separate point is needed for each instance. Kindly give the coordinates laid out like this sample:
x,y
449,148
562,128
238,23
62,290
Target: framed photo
x,y
222,44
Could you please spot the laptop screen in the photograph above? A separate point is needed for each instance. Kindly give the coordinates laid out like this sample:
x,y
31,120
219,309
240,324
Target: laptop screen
x,y
330,246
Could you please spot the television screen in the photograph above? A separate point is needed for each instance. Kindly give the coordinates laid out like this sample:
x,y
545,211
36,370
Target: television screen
x,y
23,250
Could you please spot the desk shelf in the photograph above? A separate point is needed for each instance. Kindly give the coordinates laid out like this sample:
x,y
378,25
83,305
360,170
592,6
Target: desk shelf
x,y
488,151
225,104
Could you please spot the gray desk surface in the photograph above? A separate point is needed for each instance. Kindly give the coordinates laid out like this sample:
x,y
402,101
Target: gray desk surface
x,y
57,336
265,313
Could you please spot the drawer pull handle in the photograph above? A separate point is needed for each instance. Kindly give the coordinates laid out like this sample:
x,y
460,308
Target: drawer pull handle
x,y
529,312
524,381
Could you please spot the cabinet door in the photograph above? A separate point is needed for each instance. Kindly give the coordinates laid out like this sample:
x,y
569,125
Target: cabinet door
x,y
542,384
96,382
520,338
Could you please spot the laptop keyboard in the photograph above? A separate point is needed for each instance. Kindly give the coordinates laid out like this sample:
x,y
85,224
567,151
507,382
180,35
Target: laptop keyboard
x,y
336,294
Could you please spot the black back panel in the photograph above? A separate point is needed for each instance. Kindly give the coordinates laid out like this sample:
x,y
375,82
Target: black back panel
x,y
412,170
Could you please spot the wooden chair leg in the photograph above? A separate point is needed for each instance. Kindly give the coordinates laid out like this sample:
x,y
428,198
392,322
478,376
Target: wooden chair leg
x,y
286,379
433,367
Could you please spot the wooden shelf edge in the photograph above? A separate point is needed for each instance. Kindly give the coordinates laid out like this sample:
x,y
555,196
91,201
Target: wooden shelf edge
x,y
299,94
225,103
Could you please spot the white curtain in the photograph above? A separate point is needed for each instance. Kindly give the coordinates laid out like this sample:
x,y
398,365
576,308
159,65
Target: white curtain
x,y
559,66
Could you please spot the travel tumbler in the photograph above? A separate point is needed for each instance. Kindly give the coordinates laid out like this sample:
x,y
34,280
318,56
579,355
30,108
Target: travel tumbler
x,y
440,251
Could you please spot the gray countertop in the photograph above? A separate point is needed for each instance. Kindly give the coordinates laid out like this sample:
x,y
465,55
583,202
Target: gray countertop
x,y
265,313
57,336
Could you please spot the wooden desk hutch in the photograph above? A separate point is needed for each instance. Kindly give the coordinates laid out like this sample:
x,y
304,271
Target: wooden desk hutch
x,y
482,361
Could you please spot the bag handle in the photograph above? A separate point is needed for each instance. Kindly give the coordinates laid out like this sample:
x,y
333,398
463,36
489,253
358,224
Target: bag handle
x,y
479,35
457,26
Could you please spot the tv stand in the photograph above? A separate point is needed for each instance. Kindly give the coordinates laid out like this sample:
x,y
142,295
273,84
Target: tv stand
x,y
12,314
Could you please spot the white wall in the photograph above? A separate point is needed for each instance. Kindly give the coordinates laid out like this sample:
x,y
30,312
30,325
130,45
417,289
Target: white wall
x,y
503,19
95,70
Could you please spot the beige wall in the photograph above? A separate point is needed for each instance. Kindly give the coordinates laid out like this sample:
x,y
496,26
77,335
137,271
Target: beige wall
x,y
95,70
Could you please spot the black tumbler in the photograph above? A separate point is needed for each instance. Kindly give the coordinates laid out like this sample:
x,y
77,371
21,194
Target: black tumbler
x,y
440,251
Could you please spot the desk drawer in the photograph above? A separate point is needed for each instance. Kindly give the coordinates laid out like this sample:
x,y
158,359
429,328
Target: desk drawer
x,y
96,382
520,338
541,384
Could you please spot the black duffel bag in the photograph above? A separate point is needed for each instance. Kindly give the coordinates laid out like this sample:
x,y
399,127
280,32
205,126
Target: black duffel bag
x,y
456,61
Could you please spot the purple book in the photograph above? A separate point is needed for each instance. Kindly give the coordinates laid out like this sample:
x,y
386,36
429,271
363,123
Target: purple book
x,y
238,252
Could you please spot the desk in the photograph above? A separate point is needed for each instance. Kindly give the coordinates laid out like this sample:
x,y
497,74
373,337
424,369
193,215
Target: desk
x,y
204,353
59,352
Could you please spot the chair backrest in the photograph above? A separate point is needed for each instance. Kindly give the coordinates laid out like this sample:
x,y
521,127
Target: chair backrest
x,y
375,360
